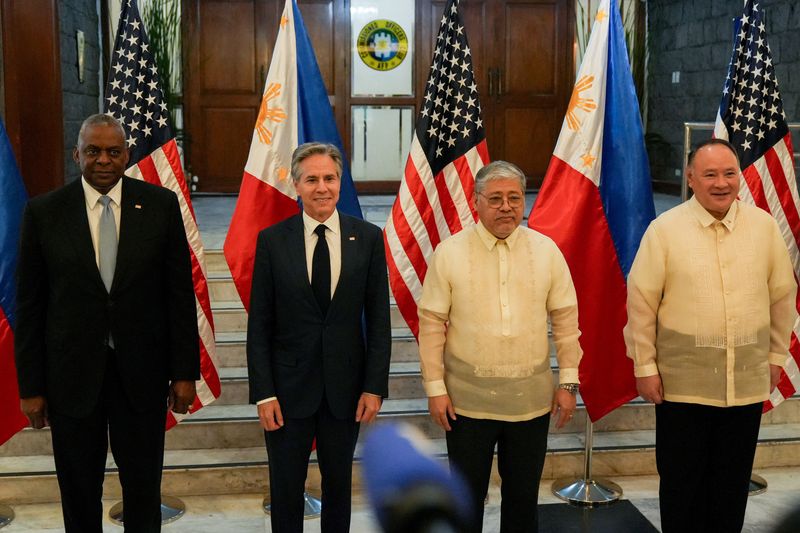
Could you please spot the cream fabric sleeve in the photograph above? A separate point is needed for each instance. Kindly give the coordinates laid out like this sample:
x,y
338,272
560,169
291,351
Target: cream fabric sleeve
x,y
645,287
564,324
782,297
433,311
562,304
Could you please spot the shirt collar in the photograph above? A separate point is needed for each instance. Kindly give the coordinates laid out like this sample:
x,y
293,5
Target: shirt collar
x,y
93,196
490,241
332,223
706,219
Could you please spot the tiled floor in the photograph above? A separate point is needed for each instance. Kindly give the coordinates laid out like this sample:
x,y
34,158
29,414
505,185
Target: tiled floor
x,y
243,514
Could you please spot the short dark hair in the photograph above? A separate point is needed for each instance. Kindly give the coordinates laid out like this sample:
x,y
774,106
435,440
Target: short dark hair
x,y
304,151
100,119
709,142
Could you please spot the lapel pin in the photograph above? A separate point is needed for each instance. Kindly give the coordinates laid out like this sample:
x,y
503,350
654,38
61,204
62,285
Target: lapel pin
x,y
352,238
137,206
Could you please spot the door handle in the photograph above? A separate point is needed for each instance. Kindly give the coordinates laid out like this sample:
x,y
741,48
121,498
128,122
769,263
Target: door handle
x,y
499,84
491,81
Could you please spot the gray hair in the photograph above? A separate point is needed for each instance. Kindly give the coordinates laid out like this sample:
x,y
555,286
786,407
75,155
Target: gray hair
x,y
499,170
100,119
304,151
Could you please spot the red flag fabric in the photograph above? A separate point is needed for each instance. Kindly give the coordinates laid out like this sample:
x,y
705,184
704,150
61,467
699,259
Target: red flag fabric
x,y
12,202
435,199
134,97
751,117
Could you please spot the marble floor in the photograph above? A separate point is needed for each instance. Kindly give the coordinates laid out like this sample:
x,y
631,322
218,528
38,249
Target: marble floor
x,y
241,513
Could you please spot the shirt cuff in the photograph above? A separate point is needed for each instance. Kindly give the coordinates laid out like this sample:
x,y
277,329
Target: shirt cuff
x,y
270,399
372,394
434,388
644,371
778,359
568,375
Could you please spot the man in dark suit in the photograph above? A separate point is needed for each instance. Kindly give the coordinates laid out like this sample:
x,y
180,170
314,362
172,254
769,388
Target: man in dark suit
x,y
106,337
318,340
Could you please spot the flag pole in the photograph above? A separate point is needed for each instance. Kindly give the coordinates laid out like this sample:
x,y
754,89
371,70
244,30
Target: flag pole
x,y
6,515
312,506
172,509
587,491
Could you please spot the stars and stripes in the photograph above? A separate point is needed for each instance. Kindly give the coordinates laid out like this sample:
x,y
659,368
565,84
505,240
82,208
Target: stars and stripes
x,y
134,97
751,117
448,148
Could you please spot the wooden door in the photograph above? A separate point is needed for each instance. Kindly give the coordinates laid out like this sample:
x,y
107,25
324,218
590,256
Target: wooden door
x,y
229,48
531,81
522,58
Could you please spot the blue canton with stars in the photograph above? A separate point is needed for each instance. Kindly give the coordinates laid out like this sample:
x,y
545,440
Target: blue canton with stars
x,y
450,122
751,107
133,93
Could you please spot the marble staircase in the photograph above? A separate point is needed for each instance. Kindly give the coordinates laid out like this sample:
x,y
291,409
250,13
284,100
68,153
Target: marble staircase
x,y
220,449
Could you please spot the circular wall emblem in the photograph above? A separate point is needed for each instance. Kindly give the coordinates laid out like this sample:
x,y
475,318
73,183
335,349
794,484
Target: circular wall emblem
x,y
382,44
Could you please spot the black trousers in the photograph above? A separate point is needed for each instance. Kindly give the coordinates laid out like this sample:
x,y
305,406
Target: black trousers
x,y
80,447
289,448
521,448
705,457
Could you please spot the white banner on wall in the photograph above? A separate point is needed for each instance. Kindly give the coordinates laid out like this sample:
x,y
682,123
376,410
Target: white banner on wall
x,y
382,47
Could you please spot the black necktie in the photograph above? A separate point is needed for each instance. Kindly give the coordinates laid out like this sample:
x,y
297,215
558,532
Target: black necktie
x,y
321,270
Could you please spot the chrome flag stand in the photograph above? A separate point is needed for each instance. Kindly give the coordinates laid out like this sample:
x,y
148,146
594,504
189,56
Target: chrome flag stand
x,y
6,515
172,508
758,485
587,491
312,507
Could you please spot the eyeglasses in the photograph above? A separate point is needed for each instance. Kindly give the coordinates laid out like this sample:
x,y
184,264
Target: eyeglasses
x,y
497,201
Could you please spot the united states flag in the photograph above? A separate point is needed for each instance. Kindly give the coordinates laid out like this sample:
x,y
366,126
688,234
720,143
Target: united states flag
x,y
751,117
134,97
448,148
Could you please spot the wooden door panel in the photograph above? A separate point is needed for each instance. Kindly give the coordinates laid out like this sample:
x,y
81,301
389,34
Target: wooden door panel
x,y
228,132
529,66
529,137
228,47
318,19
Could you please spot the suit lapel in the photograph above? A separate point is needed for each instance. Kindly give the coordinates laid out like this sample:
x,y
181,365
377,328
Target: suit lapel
x,y
296,254
76,225
130,222
349,243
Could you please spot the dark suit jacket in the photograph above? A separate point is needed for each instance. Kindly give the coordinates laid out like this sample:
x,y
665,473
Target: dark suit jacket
x,y
296,353
64,313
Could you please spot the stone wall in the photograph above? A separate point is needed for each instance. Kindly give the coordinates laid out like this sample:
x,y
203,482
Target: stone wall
x,y
80,98
695,39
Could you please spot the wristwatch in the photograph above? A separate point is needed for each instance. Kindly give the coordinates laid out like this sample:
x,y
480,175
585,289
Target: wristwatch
x,y
571,388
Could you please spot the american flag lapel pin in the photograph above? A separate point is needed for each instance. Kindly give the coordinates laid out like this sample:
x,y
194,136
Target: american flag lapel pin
x,y
352,238
137,206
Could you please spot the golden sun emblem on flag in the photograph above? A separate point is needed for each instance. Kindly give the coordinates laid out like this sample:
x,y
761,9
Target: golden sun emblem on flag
x,y
267,113
577,102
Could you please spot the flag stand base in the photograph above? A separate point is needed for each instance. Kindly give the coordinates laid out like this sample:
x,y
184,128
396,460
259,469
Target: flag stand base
x,y
587,492
312,507
758,485
172,508
6,515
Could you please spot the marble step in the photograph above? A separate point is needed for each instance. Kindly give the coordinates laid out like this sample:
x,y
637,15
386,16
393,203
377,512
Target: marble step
x,y
405,382
31,479
220,426
231,347
230,316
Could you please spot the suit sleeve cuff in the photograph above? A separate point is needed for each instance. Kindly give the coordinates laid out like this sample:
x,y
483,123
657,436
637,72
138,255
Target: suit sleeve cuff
x,y
644,371
777,359
265,400
434,388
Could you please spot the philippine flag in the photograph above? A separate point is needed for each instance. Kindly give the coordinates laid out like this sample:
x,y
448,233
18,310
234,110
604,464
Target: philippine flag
x,y
294,110
595,203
